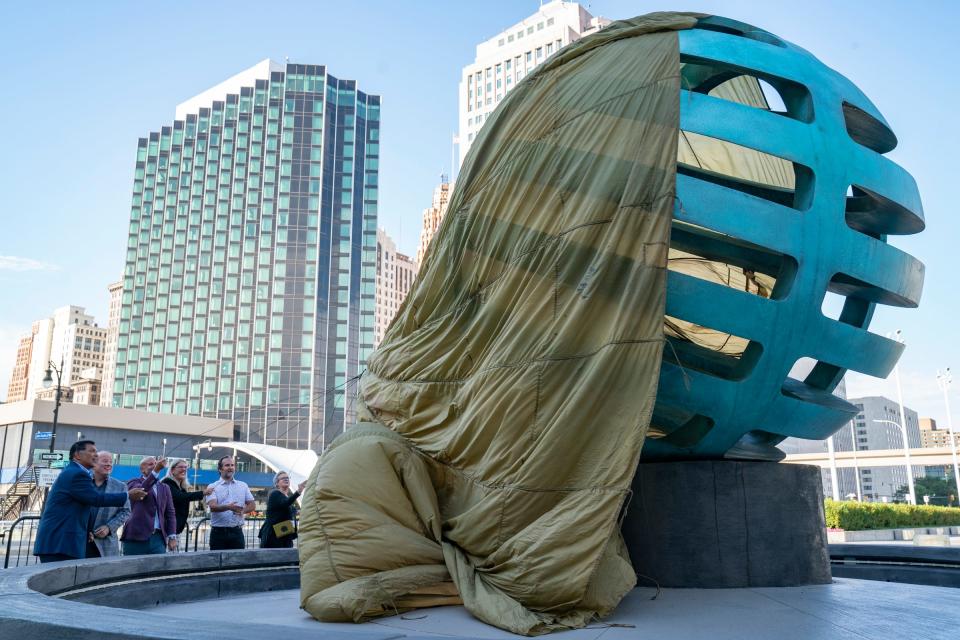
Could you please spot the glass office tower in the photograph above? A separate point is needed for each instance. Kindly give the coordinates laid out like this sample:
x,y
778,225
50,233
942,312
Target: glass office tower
x,y
249,285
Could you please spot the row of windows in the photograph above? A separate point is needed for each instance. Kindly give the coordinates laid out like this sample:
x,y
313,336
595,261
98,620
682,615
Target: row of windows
x,y
480,94
213,246
520,32
537,53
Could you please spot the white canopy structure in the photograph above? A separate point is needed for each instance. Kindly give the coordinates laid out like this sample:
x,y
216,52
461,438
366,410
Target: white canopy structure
x,y
296,462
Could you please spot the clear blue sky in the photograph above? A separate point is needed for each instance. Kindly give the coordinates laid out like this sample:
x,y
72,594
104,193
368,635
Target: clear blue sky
x,y
83,80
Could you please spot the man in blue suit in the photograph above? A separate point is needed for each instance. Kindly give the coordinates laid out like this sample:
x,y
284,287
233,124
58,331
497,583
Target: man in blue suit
x,y
62,534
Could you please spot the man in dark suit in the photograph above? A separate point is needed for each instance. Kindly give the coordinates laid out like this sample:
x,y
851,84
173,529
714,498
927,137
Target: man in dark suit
x,y
62,534
152,526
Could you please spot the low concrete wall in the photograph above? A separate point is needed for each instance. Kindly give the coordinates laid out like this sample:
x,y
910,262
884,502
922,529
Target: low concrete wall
x,y
908,564
61,599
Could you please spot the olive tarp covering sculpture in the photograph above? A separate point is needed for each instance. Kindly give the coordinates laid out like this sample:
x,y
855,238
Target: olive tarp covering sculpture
x,y
502,418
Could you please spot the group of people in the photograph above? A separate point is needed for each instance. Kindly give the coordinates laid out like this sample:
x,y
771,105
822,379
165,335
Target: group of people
x,y
86,507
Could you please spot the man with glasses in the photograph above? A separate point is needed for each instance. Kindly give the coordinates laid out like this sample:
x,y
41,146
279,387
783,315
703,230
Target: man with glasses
x,y
62,534
105,521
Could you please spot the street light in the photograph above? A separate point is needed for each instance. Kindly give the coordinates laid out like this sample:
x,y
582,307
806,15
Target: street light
x,y
47,383
196,462
856,463
833,468
834,475
898,336
912,499
944,380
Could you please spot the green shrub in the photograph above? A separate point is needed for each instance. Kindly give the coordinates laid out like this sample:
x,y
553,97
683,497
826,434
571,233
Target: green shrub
x,y
857,516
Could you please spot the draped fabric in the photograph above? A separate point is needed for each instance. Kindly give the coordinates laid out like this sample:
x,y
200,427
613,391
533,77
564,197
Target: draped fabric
x,y
502,417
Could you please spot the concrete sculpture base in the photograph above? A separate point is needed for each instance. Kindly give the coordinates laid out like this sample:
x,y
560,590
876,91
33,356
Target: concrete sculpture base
x,y
727,524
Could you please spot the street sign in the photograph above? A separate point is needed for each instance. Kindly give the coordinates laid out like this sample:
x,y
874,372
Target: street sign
x,y
43,435
51,456
46,477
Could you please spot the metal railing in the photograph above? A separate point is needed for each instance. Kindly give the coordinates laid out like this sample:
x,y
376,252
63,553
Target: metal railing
x,y
18,540
19,536
22,494
200,534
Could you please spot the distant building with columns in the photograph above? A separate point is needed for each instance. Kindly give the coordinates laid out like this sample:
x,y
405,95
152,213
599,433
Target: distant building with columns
x,y
433,216
395,275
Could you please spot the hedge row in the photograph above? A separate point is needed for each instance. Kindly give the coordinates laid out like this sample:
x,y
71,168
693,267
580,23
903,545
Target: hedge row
x,y
857,516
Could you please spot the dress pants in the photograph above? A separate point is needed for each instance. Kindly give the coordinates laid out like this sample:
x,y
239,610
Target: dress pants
x,y
225,538
92,550
54,557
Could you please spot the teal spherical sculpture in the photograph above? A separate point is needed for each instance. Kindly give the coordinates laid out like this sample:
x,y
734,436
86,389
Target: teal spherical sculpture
x,y
777,208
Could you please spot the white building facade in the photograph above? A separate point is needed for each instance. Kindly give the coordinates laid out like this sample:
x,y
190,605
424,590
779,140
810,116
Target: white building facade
x,y
395,275
110,350
506,58
17,388
842,440
877,426
71,336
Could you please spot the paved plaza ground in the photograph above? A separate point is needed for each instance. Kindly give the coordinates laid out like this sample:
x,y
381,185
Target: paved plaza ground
x,y
847,609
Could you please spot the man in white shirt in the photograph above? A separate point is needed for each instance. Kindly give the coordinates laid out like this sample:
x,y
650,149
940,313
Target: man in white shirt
x,y
228,503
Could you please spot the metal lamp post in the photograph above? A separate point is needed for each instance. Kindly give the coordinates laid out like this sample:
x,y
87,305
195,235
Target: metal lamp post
x,y
47,382
833,468
856,463
196,462
898,336
912,499
944,380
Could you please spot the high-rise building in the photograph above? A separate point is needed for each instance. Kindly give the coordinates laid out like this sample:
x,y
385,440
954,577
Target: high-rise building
x,y
506,58
877,426
842,440
70,336
17,389
395,275
40,355
83,343
433,215
249,286
84,346
110,353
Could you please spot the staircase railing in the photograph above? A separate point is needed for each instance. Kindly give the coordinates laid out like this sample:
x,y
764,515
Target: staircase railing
x,y
24,491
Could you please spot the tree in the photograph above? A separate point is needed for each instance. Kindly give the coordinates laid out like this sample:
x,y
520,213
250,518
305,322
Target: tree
x,y
942,491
